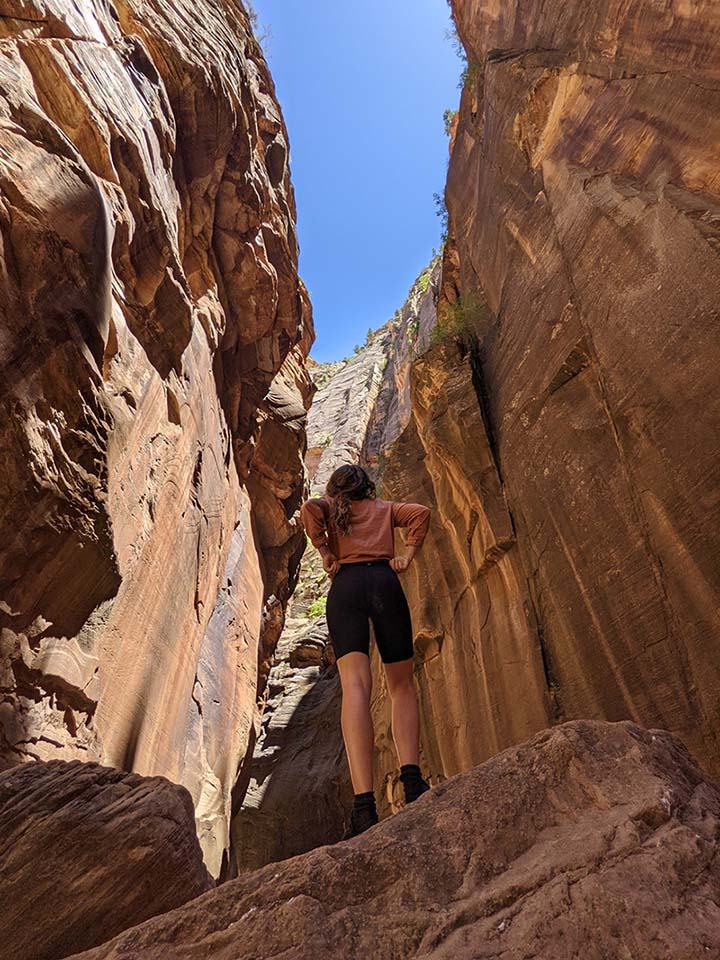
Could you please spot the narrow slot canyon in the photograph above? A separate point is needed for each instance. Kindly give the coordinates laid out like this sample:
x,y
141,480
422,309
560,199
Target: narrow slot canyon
x,y
173,776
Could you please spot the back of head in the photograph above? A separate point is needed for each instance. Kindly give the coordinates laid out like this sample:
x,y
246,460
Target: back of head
x,y
349,482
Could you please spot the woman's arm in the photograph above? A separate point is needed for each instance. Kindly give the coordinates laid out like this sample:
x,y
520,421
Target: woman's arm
x,y
416,518
313,517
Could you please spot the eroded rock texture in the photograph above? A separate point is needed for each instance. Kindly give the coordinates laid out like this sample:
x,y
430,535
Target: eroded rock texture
x,y
153,388
343,406
583,199
593,839
87,852
299,791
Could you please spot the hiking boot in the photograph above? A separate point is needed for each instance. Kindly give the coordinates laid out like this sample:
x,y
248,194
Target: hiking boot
x,y
412,782
360,821
415,789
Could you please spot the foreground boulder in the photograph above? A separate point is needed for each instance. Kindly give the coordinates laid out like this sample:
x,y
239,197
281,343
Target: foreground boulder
x,y
592,840
87,851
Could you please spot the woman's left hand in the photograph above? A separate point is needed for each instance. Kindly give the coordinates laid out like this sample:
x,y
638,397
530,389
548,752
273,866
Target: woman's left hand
x,y
399,564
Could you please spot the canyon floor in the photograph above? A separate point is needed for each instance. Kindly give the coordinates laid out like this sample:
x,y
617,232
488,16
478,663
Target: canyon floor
x,y
592,840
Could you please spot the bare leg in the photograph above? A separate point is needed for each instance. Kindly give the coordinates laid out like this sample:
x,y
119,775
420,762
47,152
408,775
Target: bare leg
x,y
356,720
405,713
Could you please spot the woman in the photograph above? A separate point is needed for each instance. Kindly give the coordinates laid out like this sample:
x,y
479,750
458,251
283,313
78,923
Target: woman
x,y
353,530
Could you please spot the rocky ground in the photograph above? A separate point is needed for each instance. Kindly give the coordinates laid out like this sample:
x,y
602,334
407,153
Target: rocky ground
x,y
88,851
592,840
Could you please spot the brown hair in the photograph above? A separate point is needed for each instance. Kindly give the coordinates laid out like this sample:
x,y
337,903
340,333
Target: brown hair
x,y
349,482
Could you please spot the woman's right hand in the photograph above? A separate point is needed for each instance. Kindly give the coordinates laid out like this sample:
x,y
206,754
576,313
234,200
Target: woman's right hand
x,y
401,563
330,564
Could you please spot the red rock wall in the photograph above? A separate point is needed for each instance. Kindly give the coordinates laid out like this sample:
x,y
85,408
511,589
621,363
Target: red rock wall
x,y
153,388
582,277
479,666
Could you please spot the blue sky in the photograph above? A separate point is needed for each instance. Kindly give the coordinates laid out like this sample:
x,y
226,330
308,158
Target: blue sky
x,y
363,87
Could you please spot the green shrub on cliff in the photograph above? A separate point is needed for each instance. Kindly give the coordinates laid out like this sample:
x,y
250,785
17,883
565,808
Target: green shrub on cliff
x,y
470,69
470,74
449,119
317,607
441,211
460,319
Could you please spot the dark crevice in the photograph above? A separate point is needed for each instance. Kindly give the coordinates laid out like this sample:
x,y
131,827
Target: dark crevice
x,y
500,56
9,16
576,361
551,679
483,398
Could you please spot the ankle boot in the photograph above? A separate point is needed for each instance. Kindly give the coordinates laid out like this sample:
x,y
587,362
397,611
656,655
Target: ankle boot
x,y
362,816
412,782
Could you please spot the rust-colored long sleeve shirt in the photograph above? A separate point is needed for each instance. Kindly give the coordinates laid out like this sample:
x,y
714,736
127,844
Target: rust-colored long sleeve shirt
x,y
371,533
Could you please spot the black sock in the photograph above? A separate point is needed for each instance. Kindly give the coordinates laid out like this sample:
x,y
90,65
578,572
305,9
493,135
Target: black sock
x,y
365,801
408,771
412,781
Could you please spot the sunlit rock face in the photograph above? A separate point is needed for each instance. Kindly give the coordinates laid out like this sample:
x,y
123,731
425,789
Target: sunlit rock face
x,y
478,663
343,407
153,388
583,201
476,642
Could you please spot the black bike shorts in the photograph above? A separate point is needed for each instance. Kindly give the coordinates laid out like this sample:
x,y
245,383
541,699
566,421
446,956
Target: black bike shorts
x,y
364,591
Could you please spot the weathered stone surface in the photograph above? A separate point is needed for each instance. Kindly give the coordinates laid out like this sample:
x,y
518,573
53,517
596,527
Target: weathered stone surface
x,y
88,851
153,388
299,791
583,200
595,840
413,332
342,408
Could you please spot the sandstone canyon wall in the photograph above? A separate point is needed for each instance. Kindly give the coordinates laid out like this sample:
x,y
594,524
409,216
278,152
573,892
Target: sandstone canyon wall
x,y
564,425
583,200
153,388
